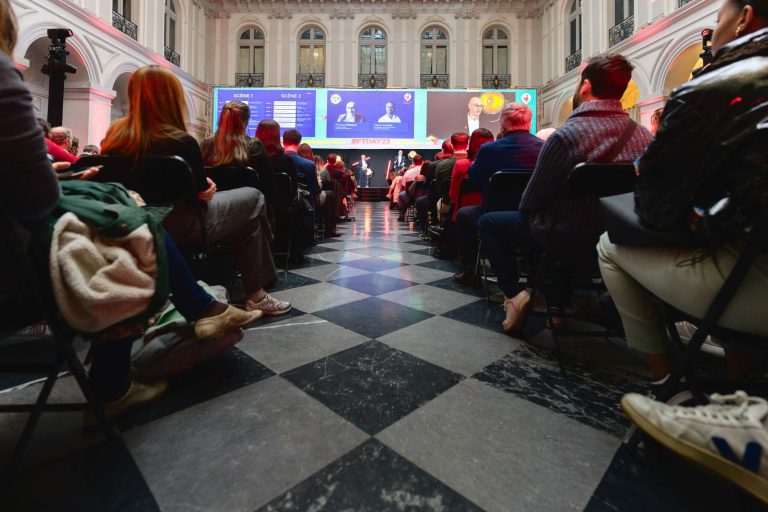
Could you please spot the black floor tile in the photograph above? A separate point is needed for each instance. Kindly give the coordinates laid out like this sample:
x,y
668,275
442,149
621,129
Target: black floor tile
x,y
307,262
586,394
652,478
230,370
447,265
288,280
372,477
449,284
373,317
372,264
372,385
96,478
481,313
317,249
373,284
425,252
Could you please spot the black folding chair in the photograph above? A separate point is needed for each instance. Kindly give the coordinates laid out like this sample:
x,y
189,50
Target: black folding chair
x,y
588,183
35,303
232,177
283,199
755,243
162,180
505,191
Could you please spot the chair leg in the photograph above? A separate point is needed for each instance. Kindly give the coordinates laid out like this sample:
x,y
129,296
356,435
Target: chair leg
x,y
34,418
95,403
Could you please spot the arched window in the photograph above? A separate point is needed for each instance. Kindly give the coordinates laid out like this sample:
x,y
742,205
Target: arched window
x,y
169,33
434,57
574,25
311,57
373,51
495,52
250,53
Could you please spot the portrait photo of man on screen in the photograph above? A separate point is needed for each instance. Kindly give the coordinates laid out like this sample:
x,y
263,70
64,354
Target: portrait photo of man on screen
x,y
351,115
389,116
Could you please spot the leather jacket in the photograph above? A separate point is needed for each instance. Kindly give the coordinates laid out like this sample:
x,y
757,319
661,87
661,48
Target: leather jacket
x,y
712,140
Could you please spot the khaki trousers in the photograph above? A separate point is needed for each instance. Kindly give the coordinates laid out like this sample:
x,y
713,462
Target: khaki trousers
x,y
669,274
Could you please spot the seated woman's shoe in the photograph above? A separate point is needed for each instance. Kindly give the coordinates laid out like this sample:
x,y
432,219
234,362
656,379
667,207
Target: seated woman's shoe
x,y
137,395
231,318
268,305
515,309
556,317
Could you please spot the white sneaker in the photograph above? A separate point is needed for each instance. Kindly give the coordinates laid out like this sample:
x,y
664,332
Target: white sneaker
x,y
729,436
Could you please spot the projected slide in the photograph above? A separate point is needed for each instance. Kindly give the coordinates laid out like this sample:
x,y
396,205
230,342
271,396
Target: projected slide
x,y
376,118
290,108
372,114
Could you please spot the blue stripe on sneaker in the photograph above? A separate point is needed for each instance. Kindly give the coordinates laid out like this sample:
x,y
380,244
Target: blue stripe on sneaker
x,y
752,453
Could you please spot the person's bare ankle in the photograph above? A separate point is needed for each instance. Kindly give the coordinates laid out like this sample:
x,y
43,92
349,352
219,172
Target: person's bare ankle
x,y
216,308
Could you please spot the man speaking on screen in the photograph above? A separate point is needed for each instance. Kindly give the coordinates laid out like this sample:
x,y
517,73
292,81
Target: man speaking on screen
x,y
390,116
351,115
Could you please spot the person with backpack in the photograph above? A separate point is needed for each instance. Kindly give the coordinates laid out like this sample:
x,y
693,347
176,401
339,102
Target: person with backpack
x,y
705,179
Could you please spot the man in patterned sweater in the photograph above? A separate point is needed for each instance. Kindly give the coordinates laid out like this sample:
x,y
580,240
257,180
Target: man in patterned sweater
x,y
590,134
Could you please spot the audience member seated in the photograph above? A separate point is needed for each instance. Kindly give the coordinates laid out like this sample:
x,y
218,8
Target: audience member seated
x,y
59,142
32,193
90,149
236,218
682,168
517,148
590,134
305,168
428,202
464,158
705,149
268,133
405,198
230,151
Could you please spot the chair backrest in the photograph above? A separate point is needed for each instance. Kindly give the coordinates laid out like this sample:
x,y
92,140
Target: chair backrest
x,y
505,189
283,186
231,177
158,179
600,180
443,189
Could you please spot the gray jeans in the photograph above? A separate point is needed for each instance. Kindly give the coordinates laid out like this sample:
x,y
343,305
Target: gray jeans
x,y
666,273
236,219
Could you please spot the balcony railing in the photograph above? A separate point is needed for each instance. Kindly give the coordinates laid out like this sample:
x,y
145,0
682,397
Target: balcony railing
x,y
573,61
123,24
368,81
249,79
681,3
434,81
497,81
310,80
621,31
172,57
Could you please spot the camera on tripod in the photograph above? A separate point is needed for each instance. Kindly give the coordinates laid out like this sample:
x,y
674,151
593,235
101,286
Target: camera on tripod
x,y
57,52
706,51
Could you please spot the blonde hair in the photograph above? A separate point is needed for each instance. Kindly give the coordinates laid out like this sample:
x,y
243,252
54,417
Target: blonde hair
x,y
156,110
7,28
229,143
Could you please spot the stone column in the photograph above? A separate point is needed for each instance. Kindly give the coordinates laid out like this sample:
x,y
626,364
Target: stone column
x,y
87,111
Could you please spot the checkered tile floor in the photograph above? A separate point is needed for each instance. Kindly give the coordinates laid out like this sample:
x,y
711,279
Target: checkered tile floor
x,y
388,387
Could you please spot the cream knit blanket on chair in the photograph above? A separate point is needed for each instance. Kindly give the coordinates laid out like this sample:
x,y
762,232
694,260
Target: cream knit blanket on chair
x,y
99,281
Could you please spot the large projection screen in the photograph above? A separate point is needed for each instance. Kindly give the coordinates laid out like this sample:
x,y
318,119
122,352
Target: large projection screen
x,y
374,118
